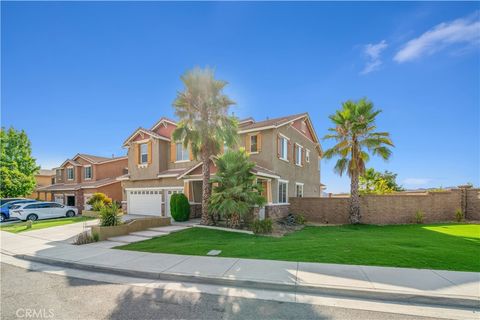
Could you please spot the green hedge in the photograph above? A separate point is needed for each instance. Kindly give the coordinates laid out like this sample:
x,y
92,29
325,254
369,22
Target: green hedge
x,y
179,207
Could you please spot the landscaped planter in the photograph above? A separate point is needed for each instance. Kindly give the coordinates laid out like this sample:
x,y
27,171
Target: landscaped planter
x,y
131,226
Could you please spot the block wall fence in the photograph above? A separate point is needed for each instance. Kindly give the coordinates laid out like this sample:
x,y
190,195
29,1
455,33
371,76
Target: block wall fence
x,y
397,208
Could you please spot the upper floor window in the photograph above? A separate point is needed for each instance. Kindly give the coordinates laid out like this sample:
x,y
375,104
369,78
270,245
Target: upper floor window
x,y
253,143
298,154
182,154
88,172
282,191
70,173
307,155
143,153
283,148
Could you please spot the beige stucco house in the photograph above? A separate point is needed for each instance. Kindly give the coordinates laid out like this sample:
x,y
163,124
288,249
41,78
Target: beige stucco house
x,y
286,151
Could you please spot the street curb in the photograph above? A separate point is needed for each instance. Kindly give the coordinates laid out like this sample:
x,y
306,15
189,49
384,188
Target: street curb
x,y
341,292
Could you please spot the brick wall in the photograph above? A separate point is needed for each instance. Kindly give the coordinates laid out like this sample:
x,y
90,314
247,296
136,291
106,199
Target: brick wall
x,y
276,212
392,209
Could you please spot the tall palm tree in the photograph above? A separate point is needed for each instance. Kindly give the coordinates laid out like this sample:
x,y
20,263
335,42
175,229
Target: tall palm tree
x,y
355,134
204,124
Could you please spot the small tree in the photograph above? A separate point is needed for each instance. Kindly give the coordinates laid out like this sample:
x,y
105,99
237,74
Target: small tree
x,y
99,197
235,190
17,166
375,182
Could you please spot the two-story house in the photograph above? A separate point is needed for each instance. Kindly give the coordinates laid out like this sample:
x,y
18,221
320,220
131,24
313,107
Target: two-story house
x,y
43,178
78,178
286,151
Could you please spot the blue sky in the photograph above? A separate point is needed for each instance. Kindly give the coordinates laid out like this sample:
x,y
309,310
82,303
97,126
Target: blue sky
x,y
80,77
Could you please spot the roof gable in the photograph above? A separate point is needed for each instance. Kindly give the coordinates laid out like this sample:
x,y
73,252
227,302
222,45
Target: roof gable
x,y
141,134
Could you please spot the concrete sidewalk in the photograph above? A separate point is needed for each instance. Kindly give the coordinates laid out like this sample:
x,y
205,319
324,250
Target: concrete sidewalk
x,y
460,289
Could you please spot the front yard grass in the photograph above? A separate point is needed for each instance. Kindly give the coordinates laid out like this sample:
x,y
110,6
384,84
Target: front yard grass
x,y
437,246
42,224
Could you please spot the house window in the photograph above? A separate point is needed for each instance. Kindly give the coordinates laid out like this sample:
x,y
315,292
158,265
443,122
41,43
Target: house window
x,y
88,172
70,174
143,153
299,190
298,155
182,153
282,191
304,126
253,143
307,155
283,148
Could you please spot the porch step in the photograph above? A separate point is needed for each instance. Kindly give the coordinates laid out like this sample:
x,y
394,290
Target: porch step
x,y
169,229
149,233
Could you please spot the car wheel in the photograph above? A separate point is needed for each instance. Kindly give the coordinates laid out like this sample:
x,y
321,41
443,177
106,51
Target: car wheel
x,y
70,213
2,217
32,217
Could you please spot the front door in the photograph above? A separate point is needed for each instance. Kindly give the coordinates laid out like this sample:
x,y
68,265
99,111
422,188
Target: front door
x,y
71,201
167,202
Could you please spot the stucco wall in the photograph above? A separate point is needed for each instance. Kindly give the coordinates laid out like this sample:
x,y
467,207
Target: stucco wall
x,y
390,209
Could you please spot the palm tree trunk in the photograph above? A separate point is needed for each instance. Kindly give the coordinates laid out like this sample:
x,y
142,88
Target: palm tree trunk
x,y
354,200
206,190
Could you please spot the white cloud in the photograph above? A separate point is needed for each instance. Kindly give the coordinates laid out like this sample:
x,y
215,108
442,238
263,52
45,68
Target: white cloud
x,y
417,181
464,31
373,53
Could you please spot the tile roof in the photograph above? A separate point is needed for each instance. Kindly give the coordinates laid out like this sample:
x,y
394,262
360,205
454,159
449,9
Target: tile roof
x,y
98,159
271,122
45,172
77,186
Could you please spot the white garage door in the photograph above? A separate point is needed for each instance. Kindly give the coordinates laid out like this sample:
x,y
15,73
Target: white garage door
x,y
145,202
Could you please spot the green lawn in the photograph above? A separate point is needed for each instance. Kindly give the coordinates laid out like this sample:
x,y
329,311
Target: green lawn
x,y
41,224
439,246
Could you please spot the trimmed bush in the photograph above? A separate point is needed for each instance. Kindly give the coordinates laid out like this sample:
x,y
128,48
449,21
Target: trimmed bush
x,y
99,196
110,216
179,207
262,226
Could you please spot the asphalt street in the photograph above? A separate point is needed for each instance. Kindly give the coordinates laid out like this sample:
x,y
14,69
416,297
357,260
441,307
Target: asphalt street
x,y
36,295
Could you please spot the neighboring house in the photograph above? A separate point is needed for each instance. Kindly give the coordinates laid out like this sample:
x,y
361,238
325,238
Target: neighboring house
x,y
286,152
78,178
44,178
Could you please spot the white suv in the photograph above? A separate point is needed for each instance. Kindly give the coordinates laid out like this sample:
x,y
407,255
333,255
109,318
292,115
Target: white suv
x,y
41,210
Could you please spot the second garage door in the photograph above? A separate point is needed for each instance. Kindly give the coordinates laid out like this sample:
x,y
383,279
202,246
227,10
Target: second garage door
x,y
144,202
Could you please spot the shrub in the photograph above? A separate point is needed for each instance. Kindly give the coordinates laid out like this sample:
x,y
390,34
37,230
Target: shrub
x,y
179,207
419,215
98,196
459,215
110,216
98,205
300,219
28,224
262,226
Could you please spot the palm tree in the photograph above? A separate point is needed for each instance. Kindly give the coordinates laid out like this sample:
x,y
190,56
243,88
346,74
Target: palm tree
x,y
204,124
354,133
237,190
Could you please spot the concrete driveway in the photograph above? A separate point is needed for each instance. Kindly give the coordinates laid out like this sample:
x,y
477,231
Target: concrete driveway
x,y
66,233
